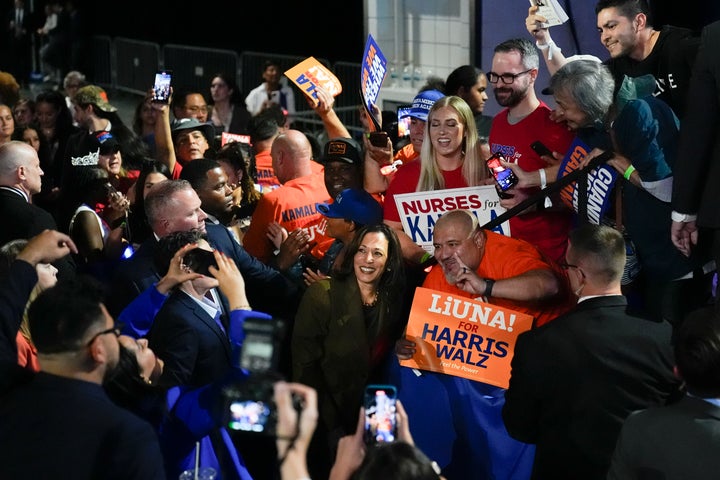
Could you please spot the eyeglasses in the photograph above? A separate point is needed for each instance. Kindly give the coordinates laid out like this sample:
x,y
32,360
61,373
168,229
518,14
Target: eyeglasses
x,y
507,78
116,329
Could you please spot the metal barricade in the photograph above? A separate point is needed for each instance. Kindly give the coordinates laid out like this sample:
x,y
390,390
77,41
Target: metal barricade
x,y
135,64
194,67
101,61
348,102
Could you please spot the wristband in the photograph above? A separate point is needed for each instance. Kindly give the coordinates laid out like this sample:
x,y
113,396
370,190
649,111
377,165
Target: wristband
x,y
543,178
628,172
489,284
425,258
550,46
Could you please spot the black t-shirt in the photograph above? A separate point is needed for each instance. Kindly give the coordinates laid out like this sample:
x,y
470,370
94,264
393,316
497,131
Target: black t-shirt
x,y
670,62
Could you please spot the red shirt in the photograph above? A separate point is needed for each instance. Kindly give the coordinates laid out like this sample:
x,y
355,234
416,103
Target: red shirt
x,y
547,230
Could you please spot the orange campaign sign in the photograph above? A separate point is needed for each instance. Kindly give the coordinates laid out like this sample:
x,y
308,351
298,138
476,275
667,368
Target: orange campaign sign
x,y
463,337
309,74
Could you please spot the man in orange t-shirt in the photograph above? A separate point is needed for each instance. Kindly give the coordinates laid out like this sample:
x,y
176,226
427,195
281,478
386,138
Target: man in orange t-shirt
x,y
293,205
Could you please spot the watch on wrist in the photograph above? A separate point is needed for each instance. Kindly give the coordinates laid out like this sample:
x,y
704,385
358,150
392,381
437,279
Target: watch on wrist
x,y
489,284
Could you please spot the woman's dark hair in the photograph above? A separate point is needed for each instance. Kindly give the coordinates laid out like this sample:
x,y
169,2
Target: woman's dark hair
x,y
125,384
395,461
139,226
236,97
44,152
64,121
463,76
233,154
392,281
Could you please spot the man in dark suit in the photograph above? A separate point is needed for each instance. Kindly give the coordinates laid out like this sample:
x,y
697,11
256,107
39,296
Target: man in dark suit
x,y
20,175
681,440
575,379
697,179
63,411
174,206
191,330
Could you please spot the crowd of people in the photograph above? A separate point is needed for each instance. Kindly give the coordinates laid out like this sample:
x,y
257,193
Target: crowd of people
x,y
208,259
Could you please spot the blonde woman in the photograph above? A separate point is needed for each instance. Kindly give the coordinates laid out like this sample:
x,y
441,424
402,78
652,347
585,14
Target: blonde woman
x,y
450,159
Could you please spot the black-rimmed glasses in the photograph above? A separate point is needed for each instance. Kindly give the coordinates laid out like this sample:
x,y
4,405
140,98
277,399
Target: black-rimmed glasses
x,y
507,78
116,329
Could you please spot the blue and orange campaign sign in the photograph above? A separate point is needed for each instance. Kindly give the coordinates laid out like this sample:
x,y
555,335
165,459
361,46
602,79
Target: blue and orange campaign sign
x,y
600,183
420,210
309,74
372,74
463,337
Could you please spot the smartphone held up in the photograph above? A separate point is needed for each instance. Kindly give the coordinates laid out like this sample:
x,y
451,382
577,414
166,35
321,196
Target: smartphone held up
x,y
161,86
504,177
380,414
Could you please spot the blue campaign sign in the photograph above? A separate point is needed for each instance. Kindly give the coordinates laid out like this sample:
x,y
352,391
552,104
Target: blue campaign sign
x,y
374,68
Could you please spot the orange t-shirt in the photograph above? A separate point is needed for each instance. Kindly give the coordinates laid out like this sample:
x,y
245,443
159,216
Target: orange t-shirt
x,y
265,173
293,205
507,257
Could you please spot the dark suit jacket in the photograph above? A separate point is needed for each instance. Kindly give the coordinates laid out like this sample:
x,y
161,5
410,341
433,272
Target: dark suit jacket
x,y
697,177
14,292
25,220
56,427
576,379
195,350
676,442
267,289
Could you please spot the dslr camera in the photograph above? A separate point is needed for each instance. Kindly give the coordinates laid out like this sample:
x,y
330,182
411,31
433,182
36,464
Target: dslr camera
x,y
248,406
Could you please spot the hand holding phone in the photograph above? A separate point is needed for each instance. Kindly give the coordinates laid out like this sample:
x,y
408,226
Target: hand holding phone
x,y
161,87
504,177
378,139
541,149
380,414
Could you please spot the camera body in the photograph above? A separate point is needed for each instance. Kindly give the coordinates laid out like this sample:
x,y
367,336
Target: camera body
x,y
248,406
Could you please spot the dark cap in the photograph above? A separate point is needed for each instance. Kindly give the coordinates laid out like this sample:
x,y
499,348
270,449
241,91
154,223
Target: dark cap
x,y
107,142
342,150
353,204
185,124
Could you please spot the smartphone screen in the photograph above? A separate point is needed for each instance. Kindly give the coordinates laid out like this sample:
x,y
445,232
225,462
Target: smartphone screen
x,y
249,415
161,87
504,177
404,122
380,414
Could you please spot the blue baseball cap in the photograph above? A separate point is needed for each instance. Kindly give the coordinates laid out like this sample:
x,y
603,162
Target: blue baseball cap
x,y
353,204
422,103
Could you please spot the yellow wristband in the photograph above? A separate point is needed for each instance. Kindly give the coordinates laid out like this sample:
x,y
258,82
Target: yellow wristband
x,y
628,172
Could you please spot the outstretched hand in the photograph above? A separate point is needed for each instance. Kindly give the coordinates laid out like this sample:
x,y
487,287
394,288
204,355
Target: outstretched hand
x,y
46,247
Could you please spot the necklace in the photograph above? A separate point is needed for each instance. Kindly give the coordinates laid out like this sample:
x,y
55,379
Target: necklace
x,y
372,302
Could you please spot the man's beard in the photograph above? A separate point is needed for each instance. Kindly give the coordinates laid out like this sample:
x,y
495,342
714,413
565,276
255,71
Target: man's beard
x,y
515,97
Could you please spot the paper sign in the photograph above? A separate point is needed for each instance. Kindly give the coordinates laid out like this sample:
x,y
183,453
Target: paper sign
x,y
233,137
552,11
463,337
420,210
372,74
309,74
600,183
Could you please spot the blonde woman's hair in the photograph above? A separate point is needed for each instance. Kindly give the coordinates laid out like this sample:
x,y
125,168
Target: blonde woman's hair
x,y
473,169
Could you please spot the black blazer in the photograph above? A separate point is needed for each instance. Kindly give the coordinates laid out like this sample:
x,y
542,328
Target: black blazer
x,y
56,427
195,350
676,442
25,220
697,177
575,380
267,289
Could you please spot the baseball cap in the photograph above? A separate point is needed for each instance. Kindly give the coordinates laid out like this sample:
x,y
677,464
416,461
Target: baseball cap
x,y
422,103
107,142
353,204
94,95
548,91
184,124
341,150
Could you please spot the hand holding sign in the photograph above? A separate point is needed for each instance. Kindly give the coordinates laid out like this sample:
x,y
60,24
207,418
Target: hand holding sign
x,y
309,74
